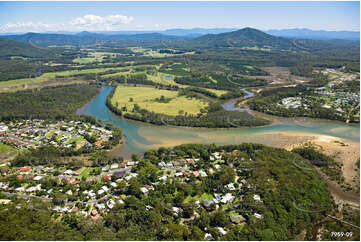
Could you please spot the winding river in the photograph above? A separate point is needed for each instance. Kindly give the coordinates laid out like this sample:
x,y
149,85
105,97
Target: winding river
x,y
231,105
141,136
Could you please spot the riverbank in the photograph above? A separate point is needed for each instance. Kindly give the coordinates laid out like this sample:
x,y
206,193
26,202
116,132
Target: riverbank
x,y
142,136
344,152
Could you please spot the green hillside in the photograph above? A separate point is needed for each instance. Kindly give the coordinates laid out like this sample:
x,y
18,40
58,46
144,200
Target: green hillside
x,y
10,48
246,37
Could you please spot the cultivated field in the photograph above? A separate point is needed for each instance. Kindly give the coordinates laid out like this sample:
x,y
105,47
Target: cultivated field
x,y
148,98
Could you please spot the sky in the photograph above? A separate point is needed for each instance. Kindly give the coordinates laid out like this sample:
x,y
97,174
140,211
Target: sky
x,y
117,16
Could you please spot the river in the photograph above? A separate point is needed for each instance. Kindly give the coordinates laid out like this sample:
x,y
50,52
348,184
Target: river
x,y
141,136
231,105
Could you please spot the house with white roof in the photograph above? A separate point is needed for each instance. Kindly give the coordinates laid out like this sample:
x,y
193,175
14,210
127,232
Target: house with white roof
x,y
68,172
256,197
162,178
227,198
105,169
105,188
100,206
38,178
257,215
202,173
221,230
144,190
20,189
230,186
178,174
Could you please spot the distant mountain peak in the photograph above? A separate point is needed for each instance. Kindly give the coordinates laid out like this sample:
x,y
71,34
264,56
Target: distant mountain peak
x,y
245,37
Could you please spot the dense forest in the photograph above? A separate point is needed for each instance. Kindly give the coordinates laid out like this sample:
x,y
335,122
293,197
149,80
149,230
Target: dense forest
x,y
60,102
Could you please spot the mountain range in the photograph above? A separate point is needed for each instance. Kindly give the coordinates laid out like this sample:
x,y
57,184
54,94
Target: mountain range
x,y
301,33
315,34
242,38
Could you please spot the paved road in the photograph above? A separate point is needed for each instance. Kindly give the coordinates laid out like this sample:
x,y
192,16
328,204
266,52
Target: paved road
x,y
25,196
21,140
9,194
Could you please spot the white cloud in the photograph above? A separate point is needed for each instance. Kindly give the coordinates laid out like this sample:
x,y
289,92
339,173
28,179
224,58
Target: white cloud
x,y
93,20
87,22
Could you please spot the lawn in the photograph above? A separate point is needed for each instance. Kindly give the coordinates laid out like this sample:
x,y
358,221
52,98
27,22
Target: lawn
x,y
85,172
146,97
199,198
76,139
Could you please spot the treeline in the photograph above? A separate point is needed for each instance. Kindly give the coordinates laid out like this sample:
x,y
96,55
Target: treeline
x,y
218,81
56,103
213,117
193,92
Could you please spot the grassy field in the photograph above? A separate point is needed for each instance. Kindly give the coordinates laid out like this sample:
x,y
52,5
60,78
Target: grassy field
x,y
51,76
217,92
154,53
94,57
7,151
161,78
146,97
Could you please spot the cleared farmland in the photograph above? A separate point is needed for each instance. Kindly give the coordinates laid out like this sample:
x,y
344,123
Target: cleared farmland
x,y
150,99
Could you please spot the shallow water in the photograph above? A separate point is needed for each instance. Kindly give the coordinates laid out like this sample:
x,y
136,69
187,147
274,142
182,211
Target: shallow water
x,y
142,136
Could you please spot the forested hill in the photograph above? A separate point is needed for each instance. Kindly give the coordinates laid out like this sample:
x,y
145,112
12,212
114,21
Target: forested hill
x,y
246,37
87,38
10,48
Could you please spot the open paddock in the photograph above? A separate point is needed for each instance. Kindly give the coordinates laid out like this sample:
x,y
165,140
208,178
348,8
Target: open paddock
x,y
148,98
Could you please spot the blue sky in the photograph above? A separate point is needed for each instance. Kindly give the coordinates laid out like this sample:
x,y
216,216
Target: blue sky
x,y
91,16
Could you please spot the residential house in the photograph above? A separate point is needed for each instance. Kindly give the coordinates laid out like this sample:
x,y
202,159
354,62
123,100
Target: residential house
x,y
144,190
202,173
38,178
178,174
196,173
100,206
256,198
221,230
20,189
259,216
25,169
230,186
227,198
